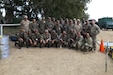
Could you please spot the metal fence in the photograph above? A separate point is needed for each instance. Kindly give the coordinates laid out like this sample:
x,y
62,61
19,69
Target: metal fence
x,y
8,29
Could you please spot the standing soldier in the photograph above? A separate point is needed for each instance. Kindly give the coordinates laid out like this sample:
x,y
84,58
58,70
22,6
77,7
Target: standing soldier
x,y
70,26
58,27
65,25
54,38
25,23
62,22
93,32
46,39
78,27
74,21
83,21
54,21
86,28
33,26
42,26
49,24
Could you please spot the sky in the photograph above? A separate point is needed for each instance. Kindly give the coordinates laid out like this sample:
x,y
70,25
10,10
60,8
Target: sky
x,y
100,8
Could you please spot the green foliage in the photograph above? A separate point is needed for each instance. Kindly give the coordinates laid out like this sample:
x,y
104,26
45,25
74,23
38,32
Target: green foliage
x,y
63,8
53,8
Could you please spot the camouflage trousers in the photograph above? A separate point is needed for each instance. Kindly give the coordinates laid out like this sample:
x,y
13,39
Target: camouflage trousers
x,y
94,42
78,45
86,46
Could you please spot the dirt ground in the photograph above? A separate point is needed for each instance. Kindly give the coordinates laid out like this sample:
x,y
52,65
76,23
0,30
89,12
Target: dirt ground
x,y
56,61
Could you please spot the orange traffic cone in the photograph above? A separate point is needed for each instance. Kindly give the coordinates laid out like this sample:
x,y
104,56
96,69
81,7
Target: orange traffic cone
x,y
102,46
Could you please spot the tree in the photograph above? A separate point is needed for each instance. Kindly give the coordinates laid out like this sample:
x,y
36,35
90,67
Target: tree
x,y
16,8
62,8
54,8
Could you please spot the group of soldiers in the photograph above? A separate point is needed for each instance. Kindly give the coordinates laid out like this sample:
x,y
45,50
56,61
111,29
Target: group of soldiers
x,y
51,32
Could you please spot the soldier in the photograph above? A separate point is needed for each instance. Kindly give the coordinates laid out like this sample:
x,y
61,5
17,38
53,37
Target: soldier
x,y
54,38
42,26
62,22
29,39
64,28
20,37
25,23
78,41
63,39
94,31
86,28
46,39
71,38
58,27
74,21
70,26
88,43
78,27
83,21
49,25
37,37
54,21
33,26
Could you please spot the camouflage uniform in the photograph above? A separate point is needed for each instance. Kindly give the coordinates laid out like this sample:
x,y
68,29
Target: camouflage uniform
x,y
54,21
54,38
88,44
42,26
29,38
58,27
62,22
70,26
22,38
74,25
71,38
86,28
25,23
49,25
37,37
63,39
79,41
64,28
78,27
93,32
33,26
46,39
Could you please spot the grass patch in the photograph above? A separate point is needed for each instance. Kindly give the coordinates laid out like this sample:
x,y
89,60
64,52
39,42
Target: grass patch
x,y
10,30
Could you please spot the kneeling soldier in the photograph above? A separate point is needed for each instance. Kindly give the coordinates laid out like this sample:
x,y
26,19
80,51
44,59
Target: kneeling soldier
x,y
46,39
88,42
54,38
79,41
37,37
71,38
63,39
29,39
20,37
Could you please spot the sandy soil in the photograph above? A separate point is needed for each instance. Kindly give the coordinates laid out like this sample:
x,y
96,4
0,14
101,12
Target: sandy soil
x,y
56,61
